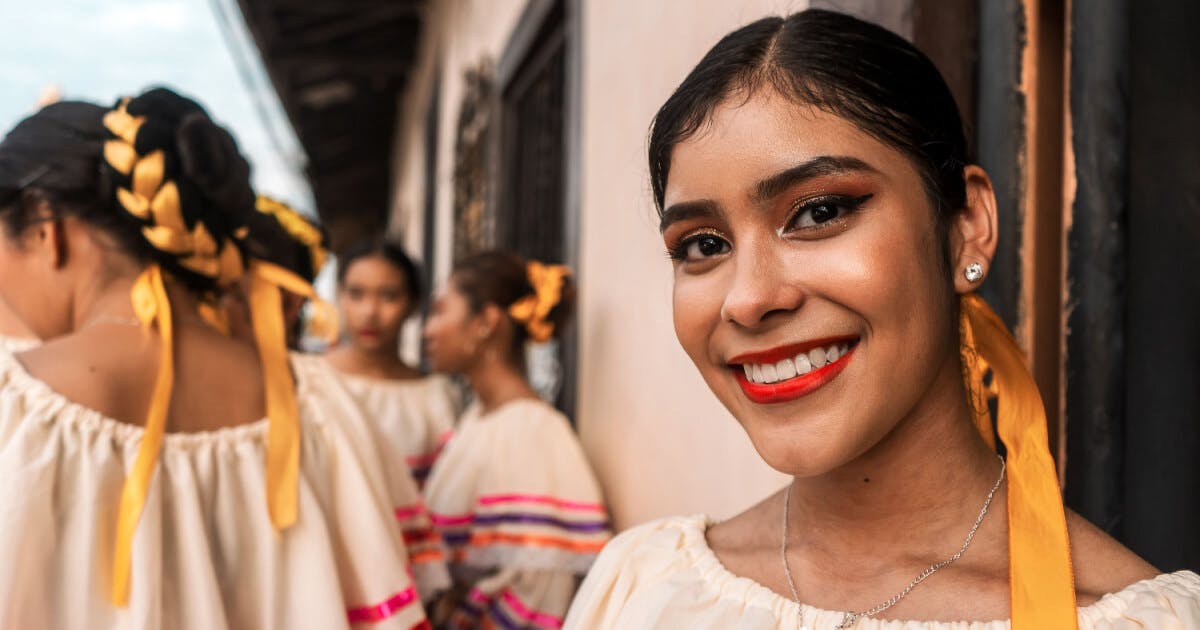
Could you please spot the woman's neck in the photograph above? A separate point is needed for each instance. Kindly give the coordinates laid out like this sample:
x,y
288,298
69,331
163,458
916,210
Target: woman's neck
x,y
381,362
924,483
496,382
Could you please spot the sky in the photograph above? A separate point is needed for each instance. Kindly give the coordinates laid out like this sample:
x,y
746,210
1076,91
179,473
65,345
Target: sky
x,y
99,50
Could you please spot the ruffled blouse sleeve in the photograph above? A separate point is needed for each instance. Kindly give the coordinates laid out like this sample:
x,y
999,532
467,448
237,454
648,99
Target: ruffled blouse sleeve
x,y
426,551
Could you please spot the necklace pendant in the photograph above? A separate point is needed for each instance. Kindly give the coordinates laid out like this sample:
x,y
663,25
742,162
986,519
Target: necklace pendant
x,y
847,622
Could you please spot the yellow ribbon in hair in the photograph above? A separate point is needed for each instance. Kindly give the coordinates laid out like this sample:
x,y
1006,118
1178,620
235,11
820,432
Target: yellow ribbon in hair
x,y
296,227
149,296
532,310
283,428
1040,573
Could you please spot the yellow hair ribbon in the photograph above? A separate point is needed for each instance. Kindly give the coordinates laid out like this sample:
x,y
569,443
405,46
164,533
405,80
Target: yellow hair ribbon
x,y
151,306
532,310
297,227
283,431
1040,573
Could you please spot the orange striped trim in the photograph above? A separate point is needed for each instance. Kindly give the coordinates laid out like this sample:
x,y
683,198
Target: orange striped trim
x,y
414,537
431,555
480,540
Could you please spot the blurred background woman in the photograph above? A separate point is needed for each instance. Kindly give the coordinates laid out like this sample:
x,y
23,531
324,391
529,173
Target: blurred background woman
x,y
513,495
378,289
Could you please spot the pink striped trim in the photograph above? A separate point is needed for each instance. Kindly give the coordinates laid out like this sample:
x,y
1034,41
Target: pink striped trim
x,y
444,520
530,498
424,459
406,512
384,610
533,616
478,596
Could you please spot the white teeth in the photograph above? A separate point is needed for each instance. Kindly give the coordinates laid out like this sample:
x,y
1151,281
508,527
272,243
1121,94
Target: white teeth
x,y
791,368
769,373
786,369
803,365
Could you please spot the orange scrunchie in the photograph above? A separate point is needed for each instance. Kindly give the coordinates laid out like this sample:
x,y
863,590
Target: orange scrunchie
x,y
1041,578
532,310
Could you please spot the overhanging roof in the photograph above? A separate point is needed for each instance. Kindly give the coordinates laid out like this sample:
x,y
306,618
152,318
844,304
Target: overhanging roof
x,y
339,67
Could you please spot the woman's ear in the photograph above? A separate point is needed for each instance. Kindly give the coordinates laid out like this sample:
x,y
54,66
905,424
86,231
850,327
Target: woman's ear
x,y
490,320
973,232
48,235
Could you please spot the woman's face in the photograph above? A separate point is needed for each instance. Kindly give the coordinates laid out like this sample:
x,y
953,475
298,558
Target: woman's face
x,y
810,288
373,298
453,334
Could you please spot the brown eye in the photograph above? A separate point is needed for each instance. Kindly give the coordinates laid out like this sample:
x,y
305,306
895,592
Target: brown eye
x,y
817,213
705,246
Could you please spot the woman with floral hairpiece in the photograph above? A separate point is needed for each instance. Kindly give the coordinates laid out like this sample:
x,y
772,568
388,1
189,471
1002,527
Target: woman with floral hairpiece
x,y
828,233
158,473
512,494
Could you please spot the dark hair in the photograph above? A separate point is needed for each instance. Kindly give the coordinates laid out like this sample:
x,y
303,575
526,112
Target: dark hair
x,y
850,68
391,252
57,156
502,278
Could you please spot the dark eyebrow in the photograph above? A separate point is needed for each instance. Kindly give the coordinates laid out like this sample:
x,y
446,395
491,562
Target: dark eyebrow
x,y
816,167
703,208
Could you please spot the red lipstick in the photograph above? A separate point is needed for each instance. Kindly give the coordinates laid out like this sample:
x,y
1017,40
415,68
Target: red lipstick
x,y
796,387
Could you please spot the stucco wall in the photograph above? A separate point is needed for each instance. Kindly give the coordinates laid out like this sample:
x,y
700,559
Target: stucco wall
x,y
657,437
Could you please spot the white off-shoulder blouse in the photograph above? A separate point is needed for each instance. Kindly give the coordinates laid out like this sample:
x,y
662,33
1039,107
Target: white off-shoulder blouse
x,y
663,574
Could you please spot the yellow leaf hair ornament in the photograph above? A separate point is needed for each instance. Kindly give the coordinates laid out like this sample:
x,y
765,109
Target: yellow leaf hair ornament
x,y
533,309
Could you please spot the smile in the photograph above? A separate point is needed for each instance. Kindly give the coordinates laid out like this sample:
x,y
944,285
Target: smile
x,y
791,372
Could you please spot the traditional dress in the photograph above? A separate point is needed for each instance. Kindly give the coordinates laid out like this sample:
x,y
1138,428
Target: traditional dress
x,y
664,575
205,553
416,416
424,545
521,513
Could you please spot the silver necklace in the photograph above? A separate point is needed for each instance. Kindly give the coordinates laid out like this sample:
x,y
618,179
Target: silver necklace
x,y
852,618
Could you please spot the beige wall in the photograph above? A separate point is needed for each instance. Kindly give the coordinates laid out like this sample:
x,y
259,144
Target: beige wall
x,y
658,439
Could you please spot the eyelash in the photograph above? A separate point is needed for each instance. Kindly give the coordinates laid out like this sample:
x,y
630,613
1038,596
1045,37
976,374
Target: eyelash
x,y
848,206
678,251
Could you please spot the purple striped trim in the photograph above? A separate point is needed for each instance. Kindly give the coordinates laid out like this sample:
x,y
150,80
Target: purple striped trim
x,y
491,519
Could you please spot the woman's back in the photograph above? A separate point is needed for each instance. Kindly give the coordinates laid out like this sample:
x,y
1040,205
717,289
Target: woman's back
x,y
205,553
111,368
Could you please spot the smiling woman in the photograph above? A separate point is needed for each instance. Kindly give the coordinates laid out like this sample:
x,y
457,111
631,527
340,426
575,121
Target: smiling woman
x,y
827,232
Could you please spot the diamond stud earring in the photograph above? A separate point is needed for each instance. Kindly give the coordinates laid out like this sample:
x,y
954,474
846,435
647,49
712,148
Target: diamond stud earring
x,y
973,272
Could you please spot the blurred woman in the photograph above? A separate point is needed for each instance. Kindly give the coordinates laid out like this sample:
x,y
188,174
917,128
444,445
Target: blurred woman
x,y
158,473
292,249
378,289
513,494
827,233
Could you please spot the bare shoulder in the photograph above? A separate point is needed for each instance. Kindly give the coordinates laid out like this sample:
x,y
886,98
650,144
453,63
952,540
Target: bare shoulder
x,y
1102,565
